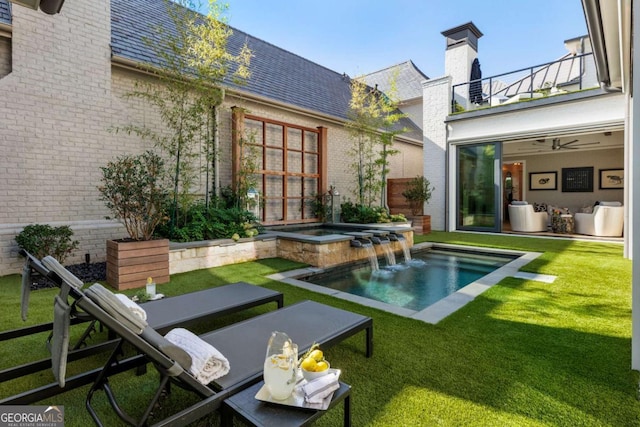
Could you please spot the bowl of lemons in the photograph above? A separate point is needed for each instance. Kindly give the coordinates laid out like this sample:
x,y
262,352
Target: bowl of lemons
x,y
313,364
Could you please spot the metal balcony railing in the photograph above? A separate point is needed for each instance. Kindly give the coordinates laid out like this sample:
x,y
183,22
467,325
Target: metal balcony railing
x,y
570,74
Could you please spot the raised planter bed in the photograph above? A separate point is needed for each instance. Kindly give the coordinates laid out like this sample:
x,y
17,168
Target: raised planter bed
x,y
129,263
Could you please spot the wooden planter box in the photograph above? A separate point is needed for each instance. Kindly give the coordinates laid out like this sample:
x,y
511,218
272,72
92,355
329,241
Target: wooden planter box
x,y
129,263
422,223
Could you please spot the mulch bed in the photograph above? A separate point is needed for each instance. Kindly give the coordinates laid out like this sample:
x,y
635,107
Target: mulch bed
x,y
88,273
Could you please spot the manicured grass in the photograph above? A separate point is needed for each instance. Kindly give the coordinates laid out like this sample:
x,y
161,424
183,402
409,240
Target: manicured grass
x,y
524,353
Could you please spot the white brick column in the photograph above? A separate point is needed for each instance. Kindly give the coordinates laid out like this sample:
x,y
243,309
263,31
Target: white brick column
x,y
457,64
437,97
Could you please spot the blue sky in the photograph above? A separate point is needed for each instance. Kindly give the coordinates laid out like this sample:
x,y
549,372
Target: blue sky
x,y
361,36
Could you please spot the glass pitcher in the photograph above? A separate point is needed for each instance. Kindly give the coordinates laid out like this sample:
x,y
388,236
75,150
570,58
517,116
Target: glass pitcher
x,y
280,366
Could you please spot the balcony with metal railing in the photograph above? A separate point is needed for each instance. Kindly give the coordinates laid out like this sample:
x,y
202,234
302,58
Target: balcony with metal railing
x,y
570,74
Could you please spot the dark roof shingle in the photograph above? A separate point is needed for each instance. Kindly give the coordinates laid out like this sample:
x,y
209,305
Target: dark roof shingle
x,y
275,73
5,12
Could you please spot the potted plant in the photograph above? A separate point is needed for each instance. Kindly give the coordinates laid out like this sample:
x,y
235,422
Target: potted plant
x,y
417,193
134,190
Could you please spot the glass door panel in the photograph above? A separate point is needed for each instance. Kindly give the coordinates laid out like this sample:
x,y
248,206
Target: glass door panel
x,y
478,198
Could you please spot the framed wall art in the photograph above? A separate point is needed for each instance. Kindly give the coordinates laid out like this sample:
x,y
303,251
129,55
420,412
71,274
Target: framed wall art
x,y
577,180
543,181
611,179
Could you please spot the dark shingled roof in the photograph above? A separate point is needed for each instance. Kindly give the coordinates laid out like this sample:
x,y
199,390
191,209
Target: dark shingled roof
x,y
275,73
5,12
408,79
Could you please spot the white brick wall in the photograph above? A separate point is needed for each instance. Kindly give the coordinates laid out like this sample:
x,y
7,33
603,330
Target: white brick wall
x,y
53,108
436,102
56,108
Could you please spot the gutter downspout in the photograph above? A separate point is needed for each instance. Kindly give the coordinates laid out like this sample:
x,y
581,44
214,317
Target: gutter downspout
x,y
216,153
592,14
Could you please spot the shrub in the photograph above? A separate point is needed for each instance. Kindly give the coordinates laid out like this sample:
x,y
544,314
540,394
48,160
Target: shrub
x,y
215,222
134,191
397,217
41,240
365,214
417,193
320,207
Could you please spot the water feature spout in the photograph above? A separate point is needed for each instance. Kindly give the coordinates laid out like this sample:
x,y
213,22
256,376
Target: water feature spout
x,y
396,237
360,242
384,242
377,240
363,243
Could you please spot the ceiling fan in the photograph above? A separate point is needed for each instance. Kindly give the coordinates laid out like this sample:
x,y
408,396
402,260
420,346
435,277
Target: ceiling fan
x,y
557,145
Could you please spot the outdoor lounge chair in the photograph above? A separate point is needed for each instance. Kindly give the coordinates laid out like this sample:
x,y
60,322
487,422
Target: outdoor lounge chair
x,y
243,344
179,311
166,313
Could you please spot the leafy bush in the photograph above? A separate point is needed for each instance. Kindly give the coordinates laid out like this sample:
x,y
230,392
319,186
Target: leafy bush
x,y
134,190
397,217
320,207
366,215
417,193
41,240
215,222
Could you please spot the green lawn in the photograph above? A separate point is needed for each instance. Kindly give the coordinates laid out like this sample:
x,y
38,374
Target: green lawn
x,y
524,353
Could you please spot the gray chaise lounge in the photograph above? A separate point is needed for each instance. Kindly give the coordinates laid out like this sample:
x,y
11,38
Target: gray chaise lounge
x,y
242,343
162,315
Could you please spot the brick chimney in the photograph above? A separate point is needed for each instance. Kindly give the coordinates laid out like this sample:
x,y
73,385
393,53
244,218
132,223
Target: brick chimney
x,y
461,50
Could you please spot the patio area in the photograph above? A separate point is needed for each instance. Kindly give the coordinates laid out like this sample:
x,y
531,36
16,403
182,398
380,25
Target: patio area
x,y
524,353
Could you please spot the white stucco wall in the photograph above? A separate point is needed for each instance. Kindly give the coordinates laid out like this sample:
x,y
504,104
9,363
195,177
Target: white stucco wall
x,y
413,110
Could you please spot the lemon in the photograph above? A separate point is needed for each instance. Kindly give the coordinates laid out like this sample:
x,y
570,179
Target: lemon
x,y
317,355
321,366
309,364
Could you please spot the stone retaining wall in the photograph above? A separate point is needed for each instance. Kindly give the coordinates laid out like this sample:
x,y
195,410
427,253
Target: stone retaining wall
x,y
334,253
191,256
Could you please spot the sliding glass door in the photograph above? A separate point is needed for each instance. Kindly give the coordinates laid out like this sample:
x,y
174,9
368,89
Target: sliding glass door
x,y
478,192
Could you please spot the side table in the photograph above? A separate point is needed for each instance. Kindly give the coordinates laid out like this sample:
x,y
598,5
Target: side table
x,y
562,224
254,412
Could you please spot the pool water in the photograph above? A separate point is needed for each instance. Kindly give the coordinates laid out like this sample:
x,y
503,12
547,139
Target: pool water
x,y
415,284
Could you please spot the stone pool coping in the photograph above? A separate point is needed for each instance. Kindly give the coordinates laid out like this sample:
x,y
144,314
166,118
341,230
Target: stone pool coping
x,y
441,309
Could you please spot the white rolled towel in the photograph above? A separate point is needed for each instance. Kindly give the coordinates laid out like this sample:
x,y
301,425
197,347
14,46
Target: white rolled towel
x,y
207,363
317,390
132,306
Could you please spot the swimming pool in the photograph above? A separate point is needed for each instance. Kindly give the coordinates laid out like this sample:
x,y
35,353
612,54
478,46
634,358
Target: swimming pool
x,y
434,287
416,284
